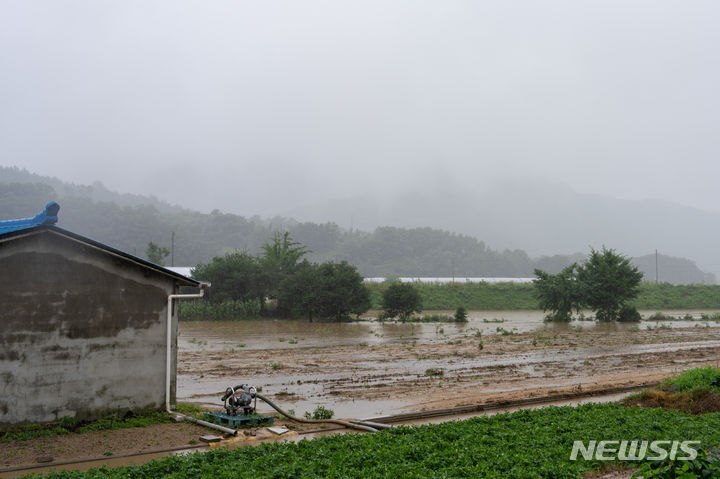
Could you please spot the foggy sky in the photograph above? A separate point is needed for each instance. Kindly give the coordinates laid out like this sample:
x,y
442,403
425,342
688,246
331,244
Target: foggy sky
x,y
255,107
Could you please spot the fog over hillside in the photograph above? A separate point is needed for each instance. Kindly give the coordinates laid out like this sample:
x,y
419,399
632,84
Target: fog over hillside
x,y
549,126
129,222
540,218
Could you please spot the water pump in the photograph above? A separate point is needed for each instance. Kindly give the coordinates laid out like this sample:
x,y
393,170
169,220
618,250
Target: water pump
x,y
239,403
240,397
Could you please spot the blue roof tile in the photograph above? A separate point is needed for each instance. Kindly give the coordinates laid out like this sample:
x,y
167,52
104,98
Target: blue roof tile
x,y
47,217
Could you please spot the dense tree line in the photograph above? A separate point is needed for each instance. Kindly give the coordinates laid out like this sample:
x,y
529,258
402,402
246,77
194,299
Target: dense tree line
x,y
125,222
296,288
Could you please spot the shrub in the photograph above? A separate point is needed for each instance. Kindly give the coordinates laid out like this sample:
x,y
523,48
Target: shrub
x,y
461,315
320,413
628,314
401,300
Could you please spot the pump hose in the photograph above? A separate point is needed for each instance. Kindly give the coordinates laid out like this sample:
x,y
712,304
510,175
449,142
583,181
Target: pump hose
x,y
314,421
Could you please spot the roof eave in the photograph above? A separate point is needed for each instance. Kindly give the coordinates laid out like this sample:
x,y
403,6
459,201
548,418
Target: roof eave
x,y
14,234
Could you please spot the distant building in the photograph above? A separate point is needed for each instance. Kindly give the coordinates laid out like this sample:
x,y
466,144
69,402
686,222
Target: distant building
x,y
83,326
458,279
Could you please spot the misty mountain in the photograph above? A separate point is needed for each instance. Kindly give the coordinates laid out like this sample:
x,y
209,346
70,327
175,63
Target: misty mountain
x,y
539,218
129,222
681,270
96,192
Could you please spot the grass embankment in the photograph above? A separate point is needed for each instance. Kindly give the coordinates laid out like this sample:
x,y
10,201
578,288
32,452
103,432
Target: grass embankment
x,y
68,425
529,443
678,296
476,296
487,296
696,391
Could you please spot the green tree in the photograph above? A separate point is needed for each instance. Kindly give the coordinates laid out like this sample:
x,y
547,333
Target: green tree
x,y
237,276
156,254
559,293
327,290
279,261
342,291
608,282
401,300
298,292
283,253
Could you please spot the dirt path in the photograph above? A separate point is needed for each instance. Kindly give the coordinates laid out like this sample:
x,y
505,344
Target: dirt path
x,y
97,444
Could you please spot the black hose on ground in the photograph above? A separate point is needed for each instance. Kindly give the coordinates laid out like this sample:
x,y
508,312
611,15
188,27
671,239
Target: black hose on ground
x,y
315,421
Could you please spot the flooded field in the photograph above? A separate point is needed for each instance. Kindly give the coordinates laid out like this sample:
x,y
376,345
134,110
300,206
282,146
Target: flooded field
x,y
366,369
290,334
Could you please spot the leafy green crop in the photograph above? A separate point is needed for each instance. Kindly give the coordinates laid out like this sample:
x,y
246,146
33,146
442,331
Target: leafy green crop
x,y
524,444
705,466
696,378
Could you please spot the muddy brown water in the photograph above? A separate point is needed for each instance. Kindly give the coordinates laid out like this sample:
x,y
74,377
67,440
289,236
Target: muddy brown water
x,y
236,345
290,334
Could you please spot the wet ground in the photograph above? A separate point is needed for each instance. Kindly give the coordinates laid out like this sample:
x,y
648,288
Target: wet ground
x,y
369,369
372,369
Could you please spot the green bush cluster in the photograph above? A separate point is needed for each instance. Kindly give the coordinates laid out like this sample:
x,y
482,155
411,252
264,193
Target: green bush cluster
x,y
320,413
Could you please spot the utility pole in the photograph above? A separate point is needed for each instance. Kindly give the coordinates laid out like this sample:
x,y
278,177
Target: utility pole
x,y
656,267
172,249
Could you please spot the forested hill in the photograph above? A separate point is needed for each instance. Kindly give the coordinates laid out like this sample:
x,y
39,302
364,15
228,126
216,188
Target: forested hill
x,y
97,191
130,222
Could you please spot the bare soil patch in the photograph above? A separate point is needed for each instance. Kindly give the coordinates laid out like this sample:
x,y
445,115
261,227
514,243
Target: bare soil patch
x,y
98,444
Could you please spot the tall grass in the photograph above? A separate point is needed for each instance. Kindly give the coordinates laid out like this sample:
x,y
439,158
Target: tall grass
x,y
225,311
678,296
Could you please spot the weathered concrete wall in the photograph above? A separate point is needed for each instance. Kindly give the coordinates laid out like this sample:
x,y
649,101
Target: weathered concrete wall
x,y
81,332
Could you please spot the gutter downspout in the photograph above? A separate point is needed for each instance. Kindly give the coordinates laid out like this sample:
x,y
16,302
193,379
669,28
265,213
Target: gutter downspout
x,y
168,363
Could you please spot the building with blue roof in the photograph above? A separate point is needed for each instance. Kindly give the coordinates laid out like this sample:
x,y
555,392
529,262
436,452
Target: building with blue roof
x,y
84,325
